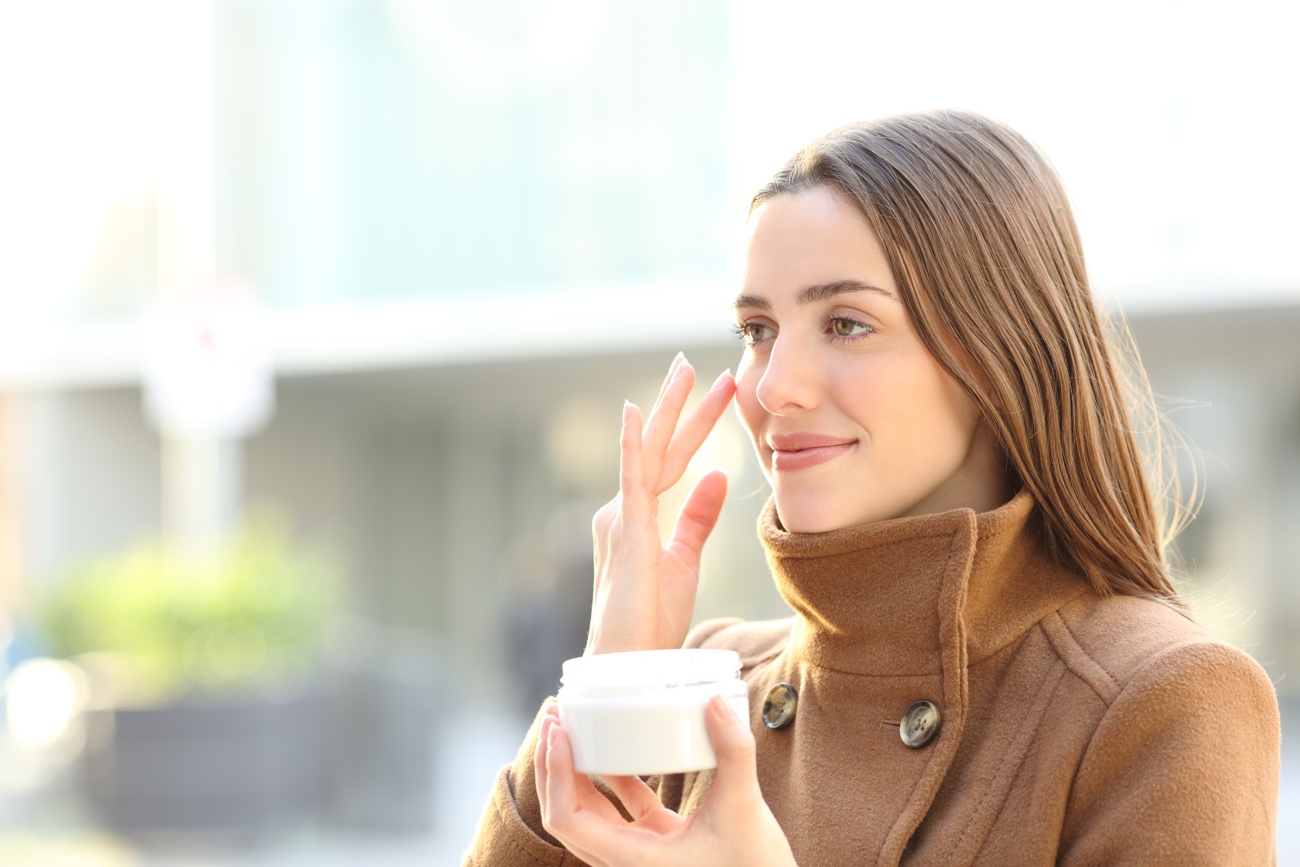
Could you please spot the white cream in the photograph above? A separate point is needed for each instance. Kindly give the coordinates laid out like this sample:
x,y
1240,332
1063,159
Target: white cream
x,y
643,712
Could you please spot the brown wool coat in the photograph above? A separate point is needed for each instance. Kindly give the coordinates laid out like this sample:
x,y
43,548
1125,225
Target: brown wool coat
x,y
1076,729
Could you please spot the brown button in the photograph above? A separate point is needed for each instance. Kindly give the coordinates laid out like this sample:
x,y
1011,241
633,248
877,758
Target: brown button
x,y
780,705
920,724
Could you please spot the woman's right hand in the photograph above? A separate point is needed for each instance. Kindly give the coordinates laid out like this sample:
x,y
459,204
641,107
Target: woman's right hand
x,y
645,590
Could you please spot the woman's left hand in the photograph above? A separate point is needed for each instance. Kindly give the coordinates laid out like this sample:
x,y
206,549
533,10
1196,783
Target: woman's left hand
x,y
733,824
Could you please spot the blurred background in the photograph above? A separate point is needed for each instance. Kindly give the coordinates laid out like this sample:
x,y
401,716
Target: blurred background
x,y
316,318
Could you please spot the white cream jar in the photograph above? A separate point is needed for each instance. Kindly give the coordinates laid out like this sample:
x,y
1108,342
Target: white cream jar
x,y
642,712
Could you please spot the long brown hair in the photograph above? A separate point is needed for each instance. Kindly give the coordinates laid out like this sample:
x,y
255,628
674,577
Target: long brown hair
x,y
986,255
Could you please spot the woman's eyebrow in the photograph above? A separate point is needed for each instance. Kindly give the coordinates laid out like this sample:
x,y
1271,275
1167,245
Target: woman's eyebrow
x,y
813,294
750,302
822,291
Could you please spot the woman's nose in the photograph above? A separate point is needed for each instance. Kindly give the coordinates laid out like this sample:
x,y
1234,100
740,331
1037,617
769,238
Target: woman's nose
x,y
789,379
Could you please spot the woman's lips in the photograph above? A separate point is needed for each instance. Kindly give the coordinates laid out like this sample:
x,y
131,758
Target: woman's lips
x,y
800,451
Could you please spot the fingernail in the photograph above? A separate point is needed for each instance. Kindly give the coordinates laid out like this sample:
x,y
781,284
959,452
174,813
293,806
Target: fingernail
x,y
726,374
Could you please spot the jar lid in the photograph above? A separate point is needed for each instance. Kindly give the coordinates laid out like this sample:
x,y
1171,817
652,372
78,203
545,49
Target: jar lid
x,y
652,668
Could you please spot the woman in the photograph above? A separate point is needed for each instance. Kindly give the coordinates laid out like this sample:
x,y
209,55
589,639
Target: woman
x,y
988,662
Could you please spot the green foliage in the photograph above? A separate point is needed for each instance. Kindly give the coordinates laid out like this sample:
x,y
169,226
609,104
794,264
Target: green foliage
x,y
162,623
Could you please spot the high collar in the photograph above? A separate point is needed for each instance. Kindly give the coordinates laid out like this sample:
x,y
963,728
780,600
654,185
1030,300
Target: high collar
x,y
914,596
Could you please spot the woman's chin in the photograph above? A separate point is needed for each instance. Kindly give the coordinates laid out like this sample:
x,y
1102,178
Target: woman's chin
x,y
814,513
799,517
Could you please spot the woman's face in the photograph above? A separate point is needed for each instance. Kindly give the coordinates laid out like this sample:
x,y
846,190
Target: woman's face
x,y
852,418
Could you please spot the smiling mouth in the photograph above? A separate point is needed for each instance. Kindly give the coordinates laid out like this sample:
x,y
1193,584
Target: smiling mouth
x,y
791,455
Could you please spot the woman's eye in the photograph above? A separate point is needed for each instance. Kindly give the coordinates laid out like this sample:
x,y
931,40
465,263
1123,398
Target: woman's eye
x,y
753,332
841,327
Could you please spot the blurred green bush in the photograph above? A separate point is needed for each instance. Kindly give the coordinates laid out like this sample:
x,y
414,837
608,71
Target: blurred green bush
x,y
155,623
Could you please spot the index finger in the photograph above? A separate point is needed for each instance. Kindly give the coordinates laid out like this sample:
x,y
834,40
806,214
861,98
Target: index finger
x,y
692,432
663,386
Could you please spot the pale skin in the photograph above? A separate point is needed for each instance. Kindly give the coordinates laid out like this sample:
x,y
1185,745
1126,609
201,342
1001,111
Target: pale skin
x,y
831,357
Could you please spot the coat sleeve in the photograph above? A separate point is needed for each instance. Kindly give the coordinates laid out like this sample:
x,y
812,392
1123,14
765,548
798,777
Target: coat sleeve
x,y
1183,768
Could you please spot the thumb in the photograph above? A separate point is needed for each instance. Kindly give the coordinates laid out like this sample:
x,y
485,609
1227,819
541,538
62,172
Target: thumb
x,y
733,743
734,807
699,515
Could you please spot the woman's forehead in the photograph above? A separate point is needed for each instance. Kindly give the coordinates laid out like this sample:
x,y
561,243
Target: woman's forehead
x,y
809,245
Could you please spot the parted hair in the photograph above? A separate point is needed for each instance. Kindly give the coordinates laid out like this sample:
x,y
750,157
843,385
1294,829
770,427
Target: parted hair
x,y
986,254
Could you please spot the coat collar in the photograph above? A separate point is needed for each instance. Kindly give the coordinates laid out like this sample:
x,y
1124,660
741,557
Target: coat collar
x,y
917,596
